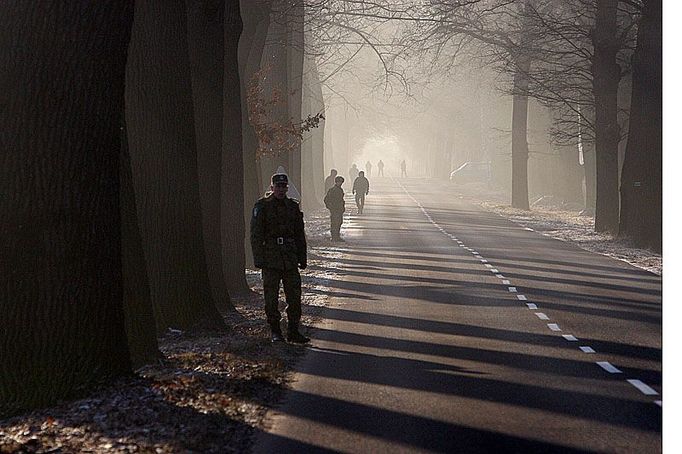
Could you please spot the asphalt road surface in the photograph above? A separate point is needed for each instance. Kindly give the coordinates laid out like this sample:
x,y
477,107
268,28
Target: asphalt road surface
x,y
453,330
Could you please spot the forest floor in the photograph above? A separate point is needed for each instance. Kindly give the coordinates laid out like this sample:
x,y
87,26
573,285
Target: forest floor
x,y
212,392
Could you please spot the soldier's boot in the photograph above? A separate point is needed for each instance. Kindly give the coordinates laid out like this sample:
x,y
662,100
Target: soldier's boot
x,y
293,335
276,331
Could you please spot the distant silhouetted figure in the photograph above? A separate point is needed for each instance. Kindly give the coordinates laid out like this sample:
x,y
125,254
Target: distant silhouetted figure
x,y
403,168
353,172
336,206
360,189
380,166
368,168
329,181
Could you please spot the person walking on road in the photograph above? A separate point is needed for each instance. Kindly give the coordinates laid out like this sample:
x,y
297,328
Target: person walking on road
x,y
403,169
353,172
279,249
368,168
380,166
360,189
336,205
329,181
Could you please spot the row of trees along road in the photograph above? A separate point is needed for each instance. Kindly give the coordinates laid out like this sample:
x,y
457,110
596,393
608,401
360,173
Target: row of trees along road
x,y
132,141
122,173
583,59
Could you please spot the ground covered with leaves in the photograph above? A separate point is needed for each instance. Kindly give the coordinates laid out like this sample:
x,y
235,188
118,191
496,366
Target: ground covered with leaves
x,y
210,394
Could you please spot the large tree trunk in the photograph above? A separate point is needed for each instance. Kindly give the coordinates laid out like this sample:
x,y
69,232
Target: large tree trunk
x,y
205,43
312,149
294,84
137,301
233,231
162,149
256,17
61,285
641,191
520,135
606,76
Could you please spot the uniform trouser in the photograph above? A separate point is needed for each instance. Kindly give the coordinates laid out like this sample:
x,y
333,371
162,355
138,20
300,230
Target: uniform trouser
x,y
291,279
336,220
360,201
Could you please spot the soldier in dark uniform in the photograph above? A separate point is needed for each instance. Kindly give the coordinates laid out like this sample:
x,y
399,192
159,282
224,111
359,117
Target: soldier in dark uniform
x,y
336,205
279,249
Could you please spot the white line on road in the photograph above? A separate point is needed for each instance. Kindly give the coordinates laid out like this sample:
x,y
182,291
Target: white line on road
x,y
522,297
570,337
553,326
494,270
587,349
608,367
531,306
542,316
512,289
643,387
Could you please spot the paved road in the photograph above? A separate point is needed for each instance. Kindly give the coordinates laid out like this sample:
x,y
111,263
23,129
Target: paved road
x,y
453,330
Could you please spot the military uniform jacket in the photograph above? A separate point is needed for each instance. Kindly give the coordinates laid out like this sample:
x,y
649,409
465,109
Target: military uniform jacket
x,y
277,233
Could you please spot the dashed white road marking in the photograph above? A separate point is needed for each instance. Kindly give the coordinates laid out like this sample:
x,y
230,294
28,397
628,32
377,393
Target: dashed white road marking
x,y
522,297
542,316
608,367
587,349
529,229
488,265
506,282
643,387
494,270
499,276
570,337
513,289
532,306
484,261
553,326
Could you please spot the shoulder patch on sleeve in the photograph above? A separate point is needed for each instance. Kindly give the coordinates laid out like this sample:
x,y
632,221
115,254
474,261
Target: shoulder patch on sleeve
x,y
256,209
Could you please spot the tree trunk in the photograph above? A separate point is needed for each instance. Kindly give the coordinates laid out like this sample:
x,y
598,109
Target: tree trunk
x,y
520,135
641,191
606,76
137,301
256,18
61,284
294,83
233,231
206,51
163,152
317,135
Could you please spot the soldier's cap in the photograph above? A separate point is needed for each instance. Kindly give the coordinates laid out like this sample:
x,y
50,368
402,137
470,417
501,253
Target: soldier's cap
x,y
279,178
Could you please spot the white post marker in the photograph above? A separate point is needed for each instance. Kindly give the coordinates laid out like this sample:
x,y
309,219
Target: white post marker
x,y
512,289
587,349
542,316
553,326
506,282
570,337
532,306
522,297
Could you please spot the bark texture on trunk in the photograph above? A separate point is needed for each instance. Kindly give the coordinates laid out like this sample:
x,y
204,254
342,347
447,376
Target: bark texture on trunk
x,y
606,77
294,83
61,284
137,301
520,135
233,224
641,185
205,29
161,139
256,18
